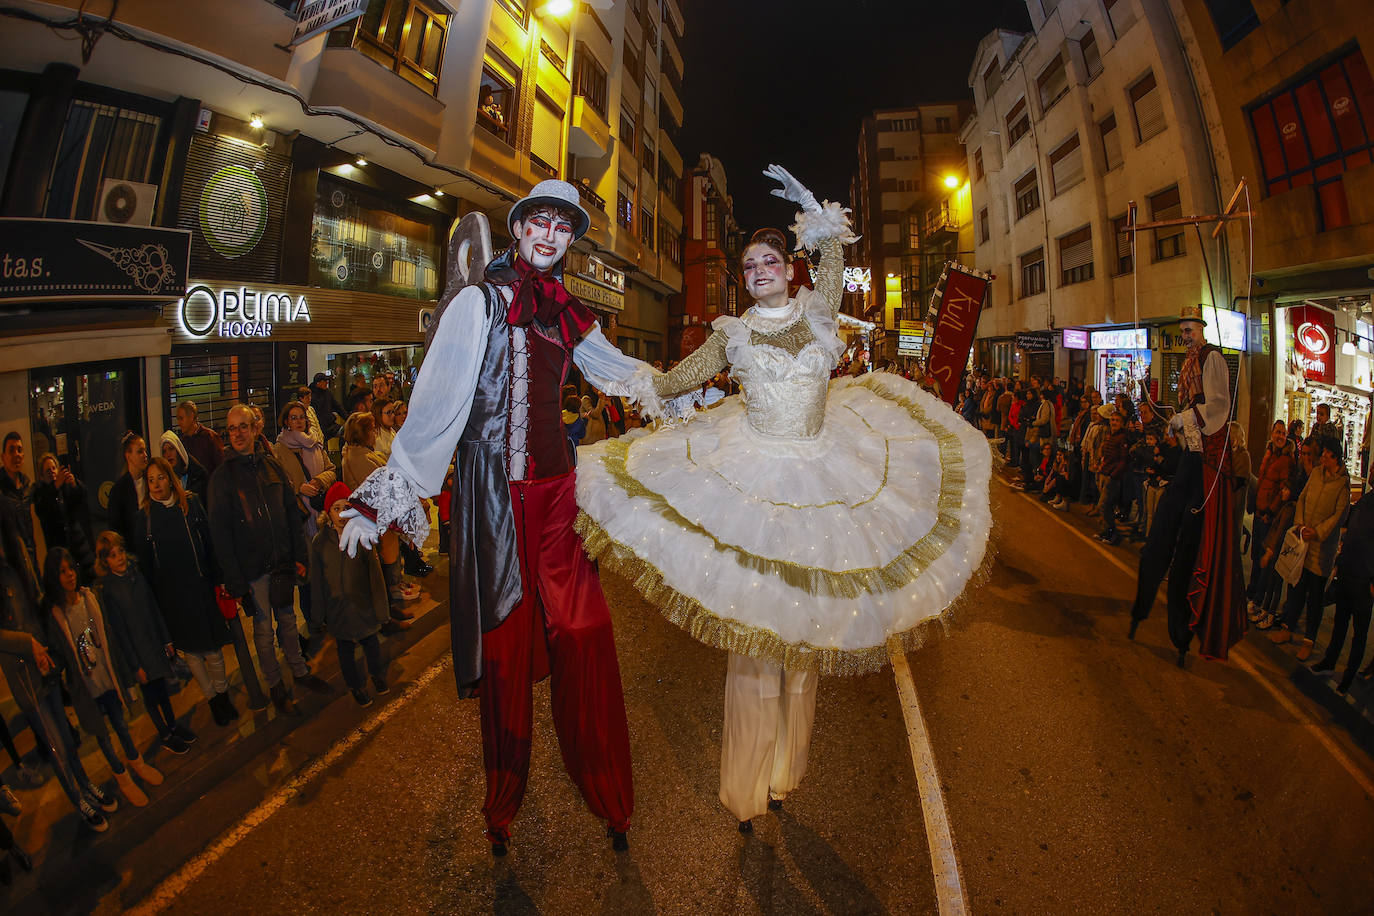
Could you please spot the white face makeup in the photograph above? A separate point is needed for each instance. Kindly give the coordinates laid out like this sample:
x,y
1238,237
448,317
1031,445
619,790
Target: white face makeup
x,y
543,238
766,273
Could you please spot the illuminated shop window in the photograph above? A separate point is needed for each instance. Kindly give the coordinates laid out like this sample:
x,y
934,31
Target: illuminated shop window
x,y
361,241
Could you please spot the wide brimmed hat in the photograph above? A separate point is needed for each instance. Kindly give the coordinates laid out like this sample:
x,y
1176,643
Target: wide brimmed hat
x,y
553,193
1192,313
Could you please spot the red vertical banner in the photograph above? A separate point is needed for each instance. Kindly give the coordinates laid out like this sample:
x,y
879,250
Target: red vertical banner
x,y
960,301
1314,342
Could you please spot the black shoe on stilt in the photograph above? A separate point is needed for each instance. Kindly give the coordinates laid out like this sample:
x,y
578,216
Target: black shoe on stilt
x,y
1130,634
775,804
498,850
746,827
1183,658
619,841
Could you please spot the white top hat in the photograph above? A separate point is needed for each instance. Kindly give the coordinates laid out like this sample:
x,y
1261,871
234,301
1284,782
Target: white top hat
x,y
552,192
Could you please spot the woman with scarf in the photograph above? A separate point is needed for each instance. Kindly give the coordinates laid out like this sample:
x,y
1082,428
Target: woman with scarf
x,y
173,548
190,473
311,472
777,525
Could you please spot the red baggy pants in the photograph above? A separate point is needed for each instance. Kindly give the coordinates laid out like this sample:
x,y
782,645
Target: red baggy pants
x,y
561,627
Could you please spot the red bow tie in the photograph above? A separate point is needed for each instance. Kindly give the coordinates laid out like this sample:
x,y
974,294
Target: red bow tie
x,y
542,296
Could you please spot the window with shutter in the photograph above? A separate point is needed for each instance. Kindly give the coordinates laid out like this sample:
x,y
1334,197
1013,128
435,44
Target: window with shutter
x,y
547,141
1111,141
1027,195
984,228
1018,122
1149,108
1032,272
992,78
1124,262
1076,256
978,164
1066,165
1168,241
1121,14
1053,82
1092,56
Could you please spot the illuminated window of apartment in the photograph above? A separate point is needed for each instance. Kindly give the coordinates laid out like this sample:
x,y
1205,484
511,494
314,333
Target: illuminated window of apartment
x,y
625,204
1018,122
1314,132
984,225
1027,195
1124,263
992,78
1092,55
589,79
913,232
646,224
1168,241
1066,165
406,36
1076,257
710,231
1053,82
1111,141
1033,272
496,96
1148,107
978,164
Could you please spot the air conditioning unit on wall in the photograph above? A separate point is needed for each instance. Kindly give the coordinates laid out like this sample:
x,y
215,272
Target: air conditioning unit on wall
x,y
128,202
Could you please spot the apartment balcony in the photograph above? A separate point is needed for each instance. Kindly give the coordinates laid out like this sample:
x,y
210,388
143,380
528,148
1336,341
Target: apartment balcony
x,y
670,49
668,150
940,222
351,80
589,135
671,101
670,209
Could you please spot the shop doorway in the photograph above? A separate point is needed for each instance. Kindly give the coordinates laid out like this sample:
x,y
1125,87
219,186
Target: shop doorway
x,y
79,413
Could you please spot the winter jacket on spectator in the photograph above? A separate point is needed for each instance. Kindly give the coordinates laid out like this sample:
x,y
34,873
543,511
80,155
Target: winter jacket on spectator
x,y
1093,440
138,634
66,522
358,461
347,593
1004,408
19,494
1322,506
1040,423
194,476
174,553
1115,454
1357,547
205,446
122,509
255,522
1276,467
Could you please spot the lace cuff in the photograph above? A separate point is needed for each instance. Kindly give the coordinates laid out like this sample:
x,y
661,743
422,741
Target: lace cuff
x,y
394,503
654,407
815,226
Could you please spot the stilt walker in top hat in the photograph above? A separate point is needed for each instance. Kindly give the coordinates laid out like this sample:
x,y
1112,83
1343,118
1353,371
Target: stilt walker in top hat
x,y
1193,538
525,601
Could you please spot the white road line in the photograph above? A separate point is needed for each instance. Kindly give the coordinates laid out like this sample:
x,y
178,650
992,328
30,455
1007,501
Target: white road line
x,y
1309,723
949,888
172,886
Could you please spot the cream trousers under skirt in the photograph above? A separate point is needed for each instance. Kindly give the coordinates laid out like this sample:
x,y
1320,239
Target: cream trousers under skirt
x,y
768,716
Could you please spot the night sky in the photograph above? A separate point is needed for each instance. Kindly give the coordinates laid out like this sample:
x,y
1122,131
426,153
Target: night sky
x,y
788,82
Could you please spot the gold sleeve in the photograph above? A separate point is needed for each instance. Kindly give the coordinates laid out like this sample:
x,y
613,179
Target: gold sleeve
x,y
695,369
830,273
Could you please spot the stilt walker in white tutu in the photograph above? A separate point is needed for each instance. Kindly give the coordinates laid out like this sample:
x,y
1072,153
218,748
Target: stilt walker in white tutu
x,y
807,526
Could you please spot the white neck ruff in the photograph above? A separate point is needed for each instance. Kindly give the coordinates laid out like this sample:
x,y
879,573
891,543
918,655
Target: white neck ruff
x,y
769,320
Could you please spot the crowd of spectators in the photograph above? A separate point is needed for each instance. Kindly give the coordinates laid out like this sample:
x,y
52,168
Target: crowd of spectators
x,y
1116,459
212,528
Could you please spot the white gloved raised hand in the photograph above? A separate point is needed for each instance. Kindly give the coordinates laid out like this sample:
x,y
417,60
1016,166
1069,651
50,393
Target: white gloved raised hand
x,y
712,396
791,189
360,531
1176,422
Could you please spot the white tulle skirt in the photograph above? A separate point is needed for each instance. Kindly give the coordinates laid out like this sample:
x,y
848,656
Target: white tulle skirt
x,y
812,554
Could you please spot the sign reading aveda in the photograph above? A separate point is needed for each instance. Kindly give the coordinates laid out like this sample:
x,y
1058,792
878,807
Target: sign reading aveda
x,y
238,311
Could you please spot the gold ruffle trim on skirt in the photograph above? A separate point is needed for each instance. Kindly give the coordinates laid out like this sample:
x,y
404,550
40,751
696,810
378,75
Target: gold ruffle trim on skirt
x,y
710,628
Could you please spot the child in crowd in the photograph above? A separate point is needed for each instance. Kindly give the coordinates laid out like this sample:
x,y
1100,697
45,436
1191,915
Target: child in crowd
x,y
574,424
1059,485
350,597
445,499
139,634
1142,456
93,669
1263,611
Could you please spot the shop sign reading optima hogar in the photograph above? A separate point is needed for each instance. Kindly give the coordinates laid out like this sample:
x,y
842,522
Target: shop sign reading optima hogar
x,y
217,311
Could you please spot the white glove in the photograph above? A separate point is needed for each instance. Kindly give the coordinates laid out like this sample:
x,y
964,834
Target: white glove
x,y
360,531
713,395
791,189
1176,422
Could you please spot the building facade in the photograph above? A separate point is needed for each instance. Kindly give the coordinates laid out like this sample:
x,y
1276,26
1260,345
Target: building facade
x,y
1288,87
711,249
291,200
904,158
1090,114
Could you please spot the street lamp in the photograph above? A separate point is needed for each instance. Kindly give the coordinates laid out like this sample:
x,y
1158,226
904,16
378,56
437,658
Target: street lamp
x,y
557,8
951,181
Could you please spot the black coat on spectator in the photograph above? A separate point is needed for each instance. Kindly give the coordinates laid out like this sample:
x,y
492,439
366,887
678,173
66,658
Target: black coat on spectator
x,y
1357,548
136,627
347,593
174,552
67,523
255,522
122,510
19,495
